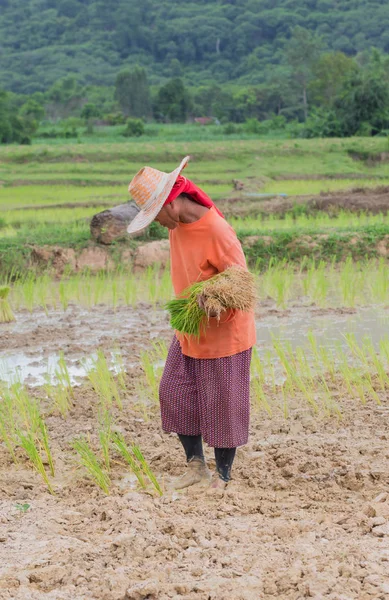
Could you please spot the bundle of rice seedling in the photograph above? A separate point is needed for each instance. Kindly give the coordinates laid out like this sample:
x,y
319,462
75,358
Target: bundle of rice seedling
x,y
6,314
232,289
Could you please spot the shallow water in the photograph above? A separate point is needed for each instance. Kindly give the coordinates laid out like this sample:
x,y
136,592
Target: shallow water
x,y
37,370
30,347
329,328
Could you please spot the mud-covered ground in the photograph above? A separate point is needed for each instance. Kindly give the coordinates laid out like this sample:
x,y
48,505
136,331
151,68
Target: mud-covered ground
x,y
306,515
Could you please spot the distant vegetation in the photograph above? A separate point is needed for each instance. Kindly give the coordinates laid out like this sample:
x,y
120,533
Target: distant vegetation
x,y
311,68
204,41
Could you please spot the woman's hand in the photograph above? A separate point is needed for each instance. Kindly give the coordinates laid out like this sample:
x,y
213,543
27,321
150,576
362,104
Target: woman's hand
x,y
201,303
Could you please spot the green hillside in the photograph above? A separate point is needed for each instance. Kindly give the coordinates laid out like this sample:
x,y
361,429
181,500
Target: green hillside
x,y
203,41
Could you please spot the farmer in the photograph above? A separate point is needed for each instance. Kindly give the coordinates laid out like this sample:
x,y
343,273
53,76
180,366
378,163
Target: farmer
x,y
204,390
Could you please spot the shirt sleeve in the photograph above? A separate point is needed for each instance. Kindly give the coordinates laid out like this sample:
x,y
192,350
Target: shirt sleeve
x,y
223,257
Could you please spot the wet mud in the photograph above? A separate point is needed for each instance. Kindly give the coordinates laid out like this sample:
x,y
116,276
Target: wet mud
x,y
306,515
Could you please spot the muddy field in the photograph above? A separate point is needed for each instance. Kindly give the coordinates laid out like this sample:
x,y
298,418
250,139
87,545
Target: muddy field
x,y
358,199
306,515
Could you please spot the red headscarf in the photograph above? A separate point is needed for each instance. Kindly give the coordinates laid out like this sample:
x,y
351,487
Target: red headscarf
x,y
185,186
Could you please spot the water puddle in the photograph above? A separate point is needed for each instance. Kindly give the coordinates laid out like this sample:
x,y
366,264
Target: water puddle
x,y
32,346
329,329
35,371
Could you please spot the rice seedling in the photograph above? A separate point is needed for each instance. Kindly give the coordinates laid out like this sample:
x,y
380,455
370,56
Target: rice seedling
x,y
99,287
103,381
270,368
62,375
350,283
232,289
114,290
118,367
260,396
60,397
377,362
146,468
152,283
130,291
28,288
21,423
6,314
186,315
92,464
105,435
321,356
318,284
307,390
160,350
257,368
325,284
380,281
45,443
330,406
26,408
165,286
277,282
63,295
295,380
7,432
59,389
152,375
126,453
43,292
28,443
286,392
384,349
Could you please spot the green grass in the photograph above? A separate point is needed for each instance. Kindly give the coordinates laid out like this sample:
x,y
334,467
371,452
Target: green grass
x,y
19,197
317,186
246,156
314,223
73,181
262,242
326,283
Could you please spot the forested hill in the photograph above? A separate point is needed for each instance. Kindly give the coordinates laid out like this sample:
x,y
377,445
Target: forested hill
x,y
203,41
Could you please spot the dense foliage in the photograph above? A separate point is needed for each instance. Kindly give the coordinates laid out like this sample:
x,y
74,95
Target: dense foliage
x,y
204,41
307,68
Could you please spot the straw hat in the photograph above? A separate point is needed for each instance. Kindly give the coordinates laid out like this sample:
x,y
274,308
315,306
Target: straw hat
x,y
150,188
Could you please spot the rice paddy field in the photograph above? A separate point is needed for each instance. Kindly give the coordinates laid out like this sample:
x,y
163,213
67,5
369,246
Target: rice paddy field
x,y
87,508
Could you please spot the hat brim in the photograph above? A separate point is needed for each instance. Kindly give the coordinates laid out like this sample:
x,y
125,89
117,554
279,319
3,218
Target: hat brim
x,y
147,215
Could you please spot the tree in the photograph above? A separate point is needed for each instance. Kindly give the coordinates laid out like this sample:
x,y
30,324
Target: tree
x,y
65,97
89,111
173,102
134,128
132,92
5,125
42,41
363,103
329,74
12,127
302,52
32,110
213,101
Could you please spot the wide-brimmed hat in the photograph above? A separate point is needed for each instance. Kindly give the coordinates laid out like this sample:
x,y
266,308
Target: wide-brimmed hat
x,y
150,189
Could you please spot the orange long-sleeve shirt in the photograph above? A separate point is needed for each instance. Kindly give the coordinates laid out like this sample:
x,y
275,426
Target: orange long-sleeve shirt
x,y
198,251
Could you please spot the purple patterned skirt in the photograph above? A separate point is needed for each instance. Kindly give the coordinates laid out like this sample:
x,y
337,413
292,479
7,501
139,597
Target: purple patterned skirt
x,y
207,396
